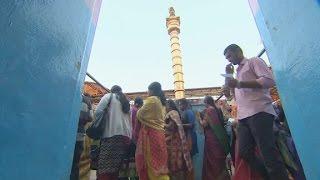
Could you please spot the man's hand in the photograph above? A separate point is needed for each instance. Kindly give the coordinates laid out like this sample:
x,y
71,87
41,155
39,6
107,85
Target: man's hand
x,y
226,91
229,69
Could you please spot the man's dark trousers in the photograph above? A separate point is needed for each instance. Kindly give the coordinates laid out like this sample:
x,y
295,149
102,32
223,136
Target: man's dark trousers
x,y
257,131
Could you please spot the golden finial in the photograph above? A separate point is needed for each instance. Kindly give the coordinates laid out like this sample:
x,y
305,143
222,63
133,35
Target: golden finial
x,y
172,12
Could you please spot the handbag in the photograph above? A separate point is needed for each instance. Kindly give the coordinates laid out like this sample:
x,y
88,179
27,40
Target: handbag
x,y
96,128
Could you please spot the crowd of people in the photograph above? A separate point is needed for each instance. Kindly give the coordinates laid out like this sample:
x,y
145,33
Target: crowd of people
x,y
158,135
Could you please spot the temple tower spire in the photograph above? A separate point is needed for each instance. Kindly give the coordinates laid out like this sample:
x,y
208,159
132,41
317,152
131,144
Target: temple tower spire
x,y
173,27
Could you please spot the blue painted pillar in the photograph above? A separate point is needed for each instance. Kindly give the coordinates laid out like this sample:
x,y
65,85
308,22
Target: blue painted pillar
x,y
44,52
290,31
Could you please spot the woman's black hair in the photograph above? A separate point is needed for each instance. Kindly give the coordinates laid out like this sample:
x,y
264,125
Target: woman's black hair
x,y
122,98
172,106
138,101
156,90
209,100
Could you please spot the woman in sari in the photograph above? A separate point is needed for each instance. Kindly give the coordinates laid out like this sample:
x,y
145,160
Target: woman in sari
x,y
242,170
117,133
151,152
216,145
179,161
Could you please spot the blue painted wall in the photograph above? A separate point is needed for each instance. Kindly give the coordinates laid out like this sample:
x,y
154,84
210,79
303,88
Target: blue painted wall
x,y
44,51
290,31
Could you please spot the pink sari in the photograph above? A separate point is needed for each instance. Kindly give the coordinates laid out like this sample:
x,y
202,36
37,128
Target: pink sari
x,y
242,169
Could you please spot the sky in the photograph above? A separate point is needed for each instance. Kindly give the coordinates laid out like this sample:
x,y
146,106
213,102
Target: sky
x,y
131,47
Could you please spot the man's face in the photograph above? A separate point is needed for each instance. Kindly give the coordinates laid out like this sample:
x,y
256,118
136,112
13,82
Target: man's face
x,y
182,107
232,57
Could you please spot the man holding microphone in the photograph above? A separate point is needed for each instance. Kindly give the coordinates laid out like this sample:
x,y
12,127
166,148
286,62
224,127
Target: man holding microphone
x,y
255,112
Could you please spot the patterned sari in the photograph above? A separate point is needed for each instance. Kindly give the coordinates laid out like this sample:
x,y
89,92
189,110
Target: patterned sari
x,y
151,153
214,162
179,155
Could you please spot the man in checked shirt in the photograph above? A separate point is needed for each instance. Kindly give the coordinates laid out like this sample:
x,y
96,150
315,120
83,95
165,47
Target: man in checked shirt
x,y
255,113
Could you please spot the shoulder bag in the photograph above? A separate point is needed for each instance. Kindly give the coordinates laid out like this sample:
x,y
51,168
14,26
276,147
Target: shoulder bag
x,y
96,128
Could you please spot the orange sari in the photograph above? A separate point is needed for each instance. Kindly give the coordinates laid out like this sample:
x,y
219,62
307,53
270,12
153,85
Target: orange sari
x,y
151,153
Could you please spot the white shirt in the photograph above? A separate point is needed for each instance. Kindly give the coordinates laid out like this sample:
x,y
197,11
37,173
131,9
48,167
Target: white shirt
x,y
119,123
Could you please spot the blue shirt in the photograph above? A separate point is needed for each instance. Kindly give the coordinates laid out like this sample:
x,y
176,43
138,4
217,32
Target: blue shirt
x,y
188,117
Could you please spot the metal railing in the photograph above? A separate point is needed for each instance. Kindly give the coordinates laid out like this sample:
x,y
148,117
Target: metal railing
x,y
96,81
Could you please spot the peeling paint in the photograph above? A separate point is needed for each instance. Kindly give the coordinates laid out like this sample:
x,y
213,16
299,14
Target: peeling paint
x,y
78,65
